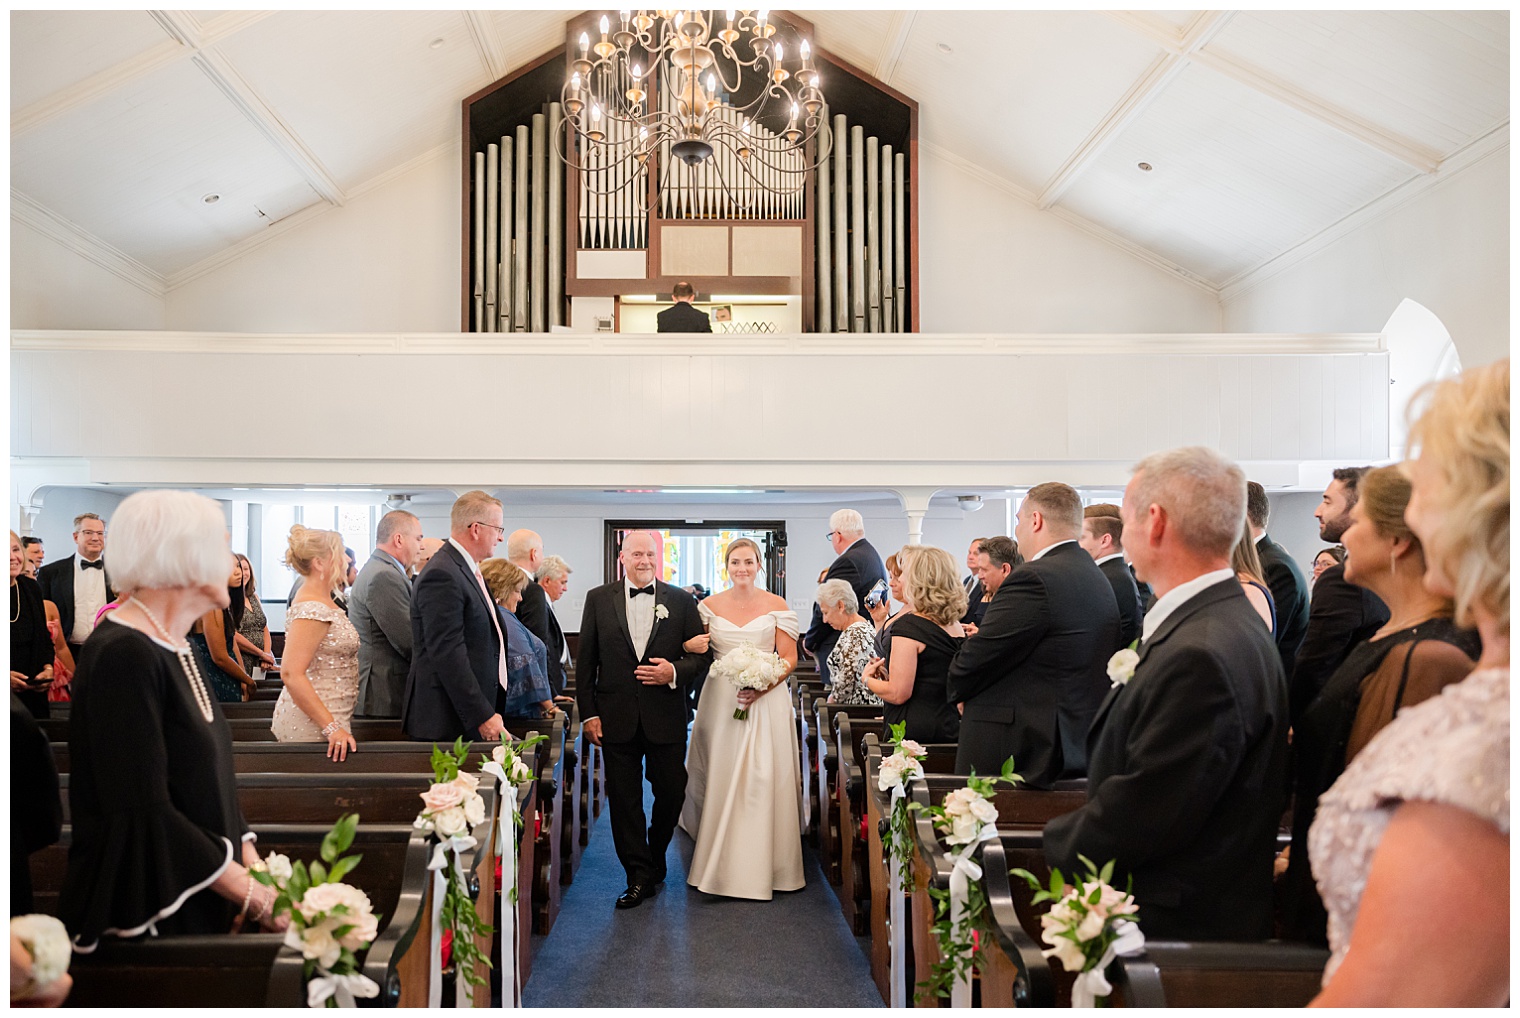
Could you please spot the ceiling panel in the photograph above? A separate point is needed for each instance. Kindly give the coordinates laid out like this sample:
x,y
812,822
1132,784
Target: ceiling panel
x,y
365,90
1018,92
1439,78
131,169
857,37
1237,178
1177,19
528,35
51,50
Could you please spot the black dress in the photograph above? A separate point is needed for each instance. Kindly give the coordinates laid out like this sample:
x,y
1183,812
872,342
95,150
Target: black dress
x,y
152,796
31,644
1320,739
36,811
928,712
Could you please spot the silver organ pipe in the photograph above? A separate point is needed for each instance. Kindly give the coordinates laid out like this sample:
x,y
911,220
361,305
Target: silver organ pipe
x,y
493,177
504,245
841,225
480,241
888,254
822,217
520,233
857,230
556,252
873,238
539,277
899,245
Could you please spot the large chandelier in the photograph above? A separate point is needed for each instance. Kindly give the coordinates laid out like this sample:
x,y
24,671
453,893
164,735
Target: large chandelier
x,y
739,101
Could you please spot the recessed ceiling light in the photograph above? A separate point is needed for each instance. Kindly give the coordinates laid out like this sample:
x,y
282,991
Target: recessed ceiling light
x,y
943,47
436,44
1145,166
211,199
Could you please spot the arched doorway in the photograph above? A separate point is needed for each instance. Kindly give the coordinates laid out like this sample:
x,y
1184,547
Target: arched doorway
x,y
1420,350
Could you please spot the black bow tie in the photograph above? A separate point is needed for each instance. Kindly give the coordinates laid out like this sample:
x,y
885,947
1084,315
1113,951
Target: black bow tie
x,y
99,563
636,591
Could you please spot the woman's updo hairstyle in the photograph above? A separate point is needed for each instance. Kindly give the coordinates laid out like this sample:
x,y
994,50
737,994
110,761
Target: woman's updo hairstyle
x,y
743,542
306,545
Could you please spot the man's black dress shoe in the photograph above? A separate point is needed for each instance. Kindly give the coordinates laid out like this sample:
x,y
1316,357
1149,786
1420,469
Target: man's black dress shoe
x,y
635,895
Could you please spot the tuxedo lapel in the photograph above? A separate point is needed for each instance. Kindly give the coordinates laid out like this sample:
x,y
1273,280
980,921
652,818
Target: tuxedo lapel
x,y
659,590
620,609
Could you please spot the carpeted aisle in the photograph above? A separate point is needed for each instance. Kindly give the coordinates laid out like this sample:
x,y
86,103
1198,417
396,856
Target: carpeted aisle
x,y
689,949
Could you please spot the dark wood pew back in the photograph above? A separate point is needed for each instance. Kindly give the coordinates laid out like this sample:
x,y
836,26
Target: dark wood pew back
x,y
1172,974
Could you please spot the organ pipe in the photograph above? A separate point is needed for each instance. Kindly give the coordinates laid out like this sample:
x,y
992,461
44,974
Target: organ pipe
x,y
899,245
841,226
520,234
822,218
480,240
504,245
857,230
888,242
493,177
556,252
539,289
873,238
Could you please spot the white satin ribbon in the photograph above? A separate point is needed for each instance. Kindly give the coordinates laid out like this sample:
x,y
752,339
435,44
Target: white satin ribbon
x,y
506,847
344,988
895,919
440,865
1092,984
962,872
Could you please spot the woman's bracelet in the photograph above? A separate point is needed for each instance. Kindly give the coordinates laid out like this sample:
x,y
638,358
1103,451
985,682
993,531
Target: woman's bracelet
x,y
330,728
247,895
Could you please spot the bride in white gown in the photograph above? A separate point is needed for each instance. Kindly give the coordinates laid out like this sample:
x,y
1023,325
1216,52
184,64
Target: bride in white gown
x,y
743,781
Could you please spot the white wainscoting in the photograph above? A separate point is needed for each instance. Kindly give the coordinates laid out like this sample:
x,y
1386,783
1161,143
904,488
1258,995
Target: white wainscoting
x,y
880,411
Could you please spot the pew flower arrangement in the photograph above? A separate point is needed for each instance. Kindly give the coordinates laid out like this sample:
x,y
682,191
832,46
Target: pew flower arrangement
x,y
452,807
508,766
330,921
1089,924
748,667
964,820
897,770
47,941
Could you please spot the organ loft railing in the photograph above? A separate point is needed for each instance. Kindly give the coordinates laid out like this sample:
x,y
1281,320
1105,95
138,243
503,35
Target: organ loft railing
x,y
559,236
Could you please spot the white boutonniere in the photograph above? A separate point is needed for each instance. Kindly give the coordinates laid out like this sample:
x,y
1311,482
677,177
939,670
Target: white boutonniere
x,y
1121,667
661,612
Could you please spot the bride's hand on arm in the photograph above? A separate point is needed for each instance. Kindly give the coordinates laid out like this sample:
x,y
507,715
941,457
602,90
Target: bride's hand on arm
x,y
697,644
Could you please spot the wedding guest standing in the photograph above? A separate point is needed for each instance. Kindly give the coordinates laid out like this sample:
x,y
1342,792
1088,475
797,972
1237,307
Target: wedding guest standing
x,y
380,607
1418,653
320,669
525,550
78,585
63,659
924,641
1103,539
858,564
31,645
1253,581
253,629
159,844
554,576
528,693
1033,675
213,641
425,553
976,602
36,810
1411,846
856,645
1325,559
1189,752
1341,614
884,614
33,550
1290,594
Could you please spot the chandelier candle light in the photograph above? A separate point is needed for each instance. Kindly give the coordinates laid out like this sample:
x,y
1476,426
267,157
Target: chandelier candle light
x,y
736,103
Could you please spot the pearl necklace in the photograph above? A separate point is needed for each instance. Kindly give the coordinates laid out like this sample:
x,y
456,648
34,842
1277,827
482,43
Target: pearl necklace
x,y
187,662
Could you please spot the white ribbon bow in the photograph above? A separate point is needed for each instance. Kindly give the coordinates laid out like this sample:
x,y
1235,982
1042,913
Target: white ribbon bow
x,y
345,988
962,872
896,921
1092,984
439,864
506,847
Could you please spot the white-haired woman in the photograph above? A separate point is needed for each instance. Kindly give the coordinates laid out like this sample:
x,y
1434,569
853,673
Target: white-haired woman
x,y
159,843
320,669
857,643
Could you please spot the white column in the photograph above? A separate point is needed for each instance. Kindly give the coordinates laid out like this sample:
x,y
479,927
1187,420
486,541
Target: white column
x,y
915,506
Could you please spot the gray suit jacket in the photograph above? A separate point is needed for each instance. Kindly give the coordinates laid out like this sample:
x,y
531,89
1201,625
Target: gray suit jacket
x,y
380,607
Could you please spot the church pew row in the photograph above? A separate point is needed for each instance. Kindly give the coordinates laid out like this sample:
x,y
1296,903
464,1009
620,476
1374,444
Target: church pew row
x,y
1173,974
826,773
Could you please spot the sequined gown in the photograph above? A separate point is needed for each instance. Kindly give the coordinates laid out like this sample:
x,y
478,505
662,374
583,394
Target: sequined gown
x,y
334,674
1451,749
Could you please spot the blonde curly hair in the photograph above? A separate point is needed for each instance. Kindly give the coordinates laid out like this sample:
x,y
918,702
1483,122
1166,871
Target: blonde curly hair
x,y
307,544
931,583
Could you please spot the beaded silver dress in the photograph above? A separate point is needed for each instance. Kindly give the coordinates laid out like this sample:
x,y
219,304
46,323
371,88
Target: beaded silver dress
x,y
1451,749
334,674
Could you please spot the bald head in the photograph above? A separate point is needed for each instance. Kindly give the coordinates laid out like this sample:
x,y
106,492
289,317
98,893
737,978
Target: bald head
x,y
525,549
641,555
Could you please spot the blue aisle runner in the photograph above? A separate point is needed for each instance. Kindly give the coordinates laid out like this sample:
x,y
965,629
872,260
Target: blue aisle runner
x,y
689,949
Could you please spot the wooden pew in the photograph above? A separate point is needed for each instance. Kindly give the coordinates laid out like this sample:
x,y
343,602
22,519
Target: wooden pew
x,y
571,819
548,834
254,709
802,712
1173,974
826,769
201,971
1011,970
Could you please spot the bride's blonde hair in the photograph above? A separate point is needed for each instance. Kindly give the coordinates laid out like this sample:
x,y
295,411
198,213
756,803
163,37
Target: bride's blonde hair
x,y
744,542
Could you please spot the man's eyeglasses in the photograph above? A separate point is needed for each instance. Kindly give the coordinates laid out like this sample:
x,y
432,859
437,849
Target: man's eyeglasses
x,y
500,530
830,534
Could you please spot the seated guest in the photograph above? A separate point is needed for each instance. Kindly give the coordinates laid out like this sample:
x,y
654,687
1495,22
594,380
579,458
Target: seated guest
x,y
32,648
924,641
253,631
554,576
856,646
459,651
212,641
1290,594
1189,755
1411,845
1033,675
1412,658
528,692
976,600
380,607
1253,581
1327,558
1103,539
159,844
320,669
1341,614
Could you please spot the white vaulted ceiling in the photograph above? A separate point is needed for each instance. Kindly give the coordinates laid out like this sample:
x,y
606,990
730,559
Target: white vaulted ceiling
x,y
1262,128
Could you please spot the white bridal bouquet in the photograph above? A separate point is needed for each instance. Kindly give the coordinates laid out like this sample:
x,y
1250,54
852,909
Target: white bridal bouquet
x,y
46,940
748,667
1089,924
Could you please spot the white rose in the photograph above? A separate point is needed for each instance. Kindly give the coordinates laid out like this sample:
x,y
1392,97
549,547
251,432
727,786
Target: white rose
x,y
1064,951
47,941
365,929
474,809
450,822
661,612
912,769
467,781
324,898
959,801
1121,667
520,772
963,829
890,775
278,867
910,748
1091,926
499,754
984,811
442,796
316,942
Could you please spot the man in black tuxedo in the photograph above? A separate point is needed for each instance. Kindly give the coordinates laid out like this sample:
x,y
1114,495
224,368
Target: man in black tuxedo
x,y
78,585
1033,675
682,317
458,678
1103,539
630,676
857,564
975,590
525,550
1188,758
1290,591
1341,614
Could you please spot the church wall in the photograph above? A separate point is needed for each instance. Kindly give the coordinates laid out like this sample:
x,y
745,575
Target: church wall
x,y
1447,248
53,287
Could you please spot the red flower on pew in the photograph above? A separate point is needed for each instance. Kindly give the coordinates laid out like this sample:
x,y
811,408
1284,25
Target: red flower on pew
x,y
448,946
976,941
498,872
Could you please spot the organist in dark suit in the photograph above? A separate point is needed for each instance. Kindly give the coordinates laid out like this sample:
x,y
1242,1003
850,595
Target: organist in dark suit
x,y
683,317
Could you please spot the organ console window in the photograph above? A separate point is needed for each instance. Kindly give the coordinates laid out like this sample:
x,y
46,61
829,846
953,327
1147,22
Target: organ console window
x,y
547,244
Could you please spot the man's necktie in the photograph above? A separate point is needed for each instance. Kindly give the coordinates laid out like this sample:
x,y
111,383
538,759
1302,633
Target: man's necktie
x,y
99,563
642,590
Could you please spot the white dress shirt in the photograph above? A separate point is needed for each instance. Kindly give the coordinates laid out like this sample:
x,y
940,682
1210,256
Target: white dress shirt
x,y
1179,596
1049,548
640,619
89,598
500,636
1106,558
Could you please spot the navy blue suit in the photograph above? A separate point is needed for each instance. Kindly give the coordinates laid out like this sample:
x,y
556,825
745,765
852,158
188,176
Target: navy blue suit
x,y
454,685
